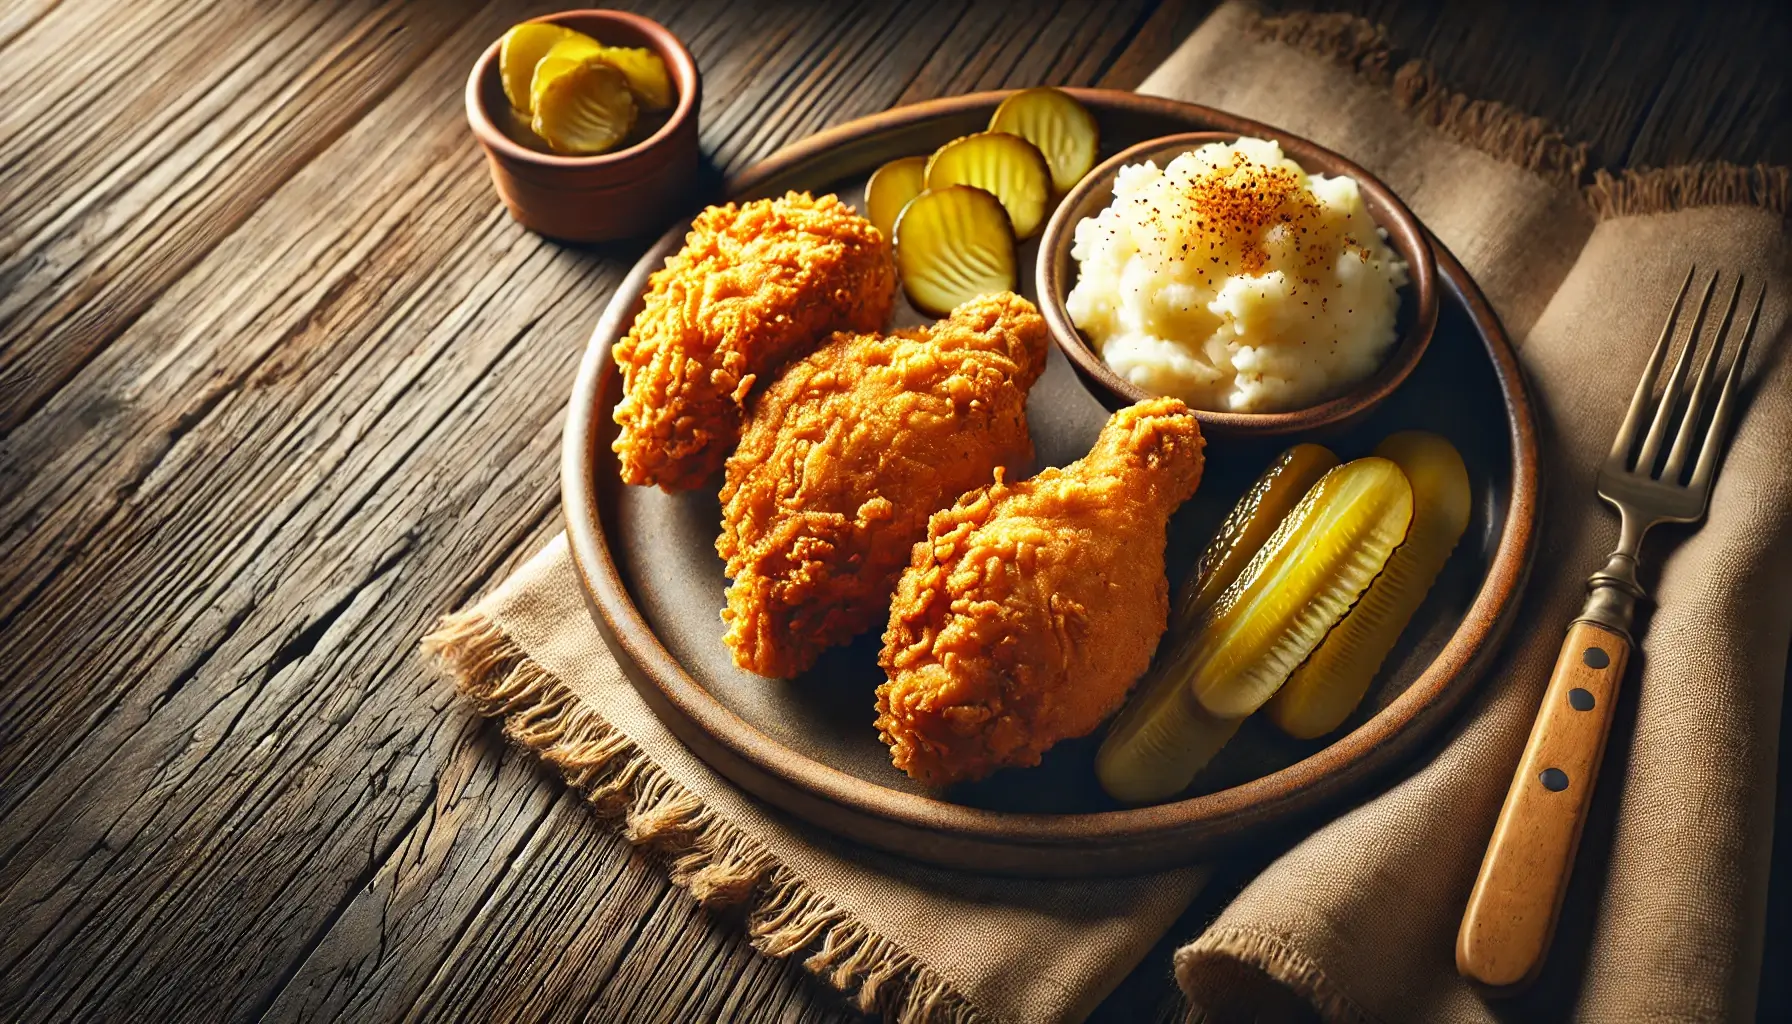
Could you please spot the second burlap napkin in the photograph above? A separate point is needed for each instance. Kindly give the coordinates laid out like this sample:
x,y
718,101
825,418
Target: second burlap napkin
x,y
1664,918
1358,921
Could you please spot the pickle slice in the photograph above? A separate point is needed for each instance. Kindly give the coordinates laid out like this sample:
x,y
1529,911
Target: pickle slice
x,y
562,57
1006,166
1250,523
647,76
1320,559
889,190
952,245
519,51
1062,128
1329,685
585,110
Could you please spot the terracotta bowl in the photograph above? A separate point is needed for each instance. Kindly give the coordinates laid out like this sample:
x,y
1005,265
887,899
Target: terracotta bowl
x,y
614,195
1417,318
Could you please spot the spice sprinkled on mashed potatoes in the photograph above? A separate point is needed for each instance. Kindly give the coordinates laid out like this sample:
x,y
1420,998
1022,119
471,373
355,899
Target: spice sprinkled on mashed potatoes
x,y
1235,281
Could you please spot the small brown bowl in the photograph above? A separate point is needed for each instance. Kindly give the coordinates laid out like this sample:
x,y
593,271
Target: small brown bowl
x,y
599,198
1417,318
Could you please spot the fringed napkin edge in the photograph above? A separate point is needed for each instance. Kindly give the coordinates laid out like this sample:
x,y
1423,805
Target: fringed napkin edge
x,y
721,866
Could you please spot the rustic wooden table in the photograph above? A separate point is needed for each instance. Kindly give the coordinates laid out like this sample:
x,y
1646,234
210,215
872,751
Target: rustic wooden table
x,y
280,383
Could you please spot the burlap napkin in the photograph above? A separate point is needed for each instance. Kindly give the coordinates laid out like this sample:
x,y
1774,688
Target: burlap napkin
x,y
1359,920
913,943
1664,920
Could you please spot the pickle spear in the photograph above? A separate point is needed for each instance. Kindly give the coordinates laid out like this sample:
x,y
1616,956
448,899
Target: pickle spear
x,y
1329,685
1062,128
1309,573
1168,738
1250,523
1320,559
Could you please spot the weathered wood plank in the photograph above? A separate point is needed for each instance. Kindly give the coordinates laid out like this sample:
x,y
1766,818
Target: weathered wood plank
x,y
1167,25
272,784
373,961
124,496
126,187
369,963
566,933
18,17
288,715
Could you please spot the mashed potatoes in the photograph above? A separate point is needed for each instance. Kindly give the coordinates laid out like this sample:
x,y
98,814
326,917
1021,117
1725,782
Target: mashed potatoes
x,y
1235,281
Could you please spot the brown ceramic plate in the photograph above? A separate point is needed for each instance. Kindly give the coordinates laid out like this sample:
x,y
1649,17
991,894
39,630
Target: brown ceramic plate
x,y
807,746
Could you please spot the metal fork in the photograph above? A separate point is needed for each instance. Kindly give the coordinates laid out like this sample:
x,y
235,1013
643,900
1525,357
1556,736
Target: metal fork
x,y
1512,911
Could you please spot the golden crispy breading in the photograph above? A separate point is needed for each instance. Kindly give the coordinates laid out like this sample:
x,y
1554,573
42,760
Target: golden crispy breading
x,y
845,456
754,286
1031,608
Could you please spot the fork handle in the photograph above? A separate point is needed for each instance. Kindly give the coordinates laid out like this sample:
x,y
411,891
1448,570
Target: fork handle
x,y
1512,911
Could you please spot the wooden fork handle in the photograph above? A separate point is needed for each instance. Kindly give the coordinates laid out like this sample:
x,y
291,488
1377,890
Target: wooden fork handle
x,y
1512,911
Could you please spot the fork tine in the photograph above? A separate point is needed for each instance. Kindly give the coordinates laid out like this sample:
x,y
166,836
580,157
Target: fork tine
x,y
1633,420
1720,419
1701,390
1658,429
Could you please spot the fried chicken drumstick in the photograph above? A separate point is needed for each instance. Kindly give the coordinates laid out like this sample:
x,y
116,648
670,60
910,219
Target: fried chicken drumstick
x,y
754,286
845,456
1031,608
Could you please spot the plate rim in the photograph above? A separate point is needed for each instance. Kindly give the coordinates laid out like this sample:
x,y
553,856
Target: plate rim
x,y
1086,843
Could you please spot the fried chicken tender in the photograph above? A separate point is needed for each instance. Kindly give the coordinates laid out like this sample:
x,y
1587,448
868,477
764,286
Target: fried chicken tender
x,y
1031,608
754,286
845,456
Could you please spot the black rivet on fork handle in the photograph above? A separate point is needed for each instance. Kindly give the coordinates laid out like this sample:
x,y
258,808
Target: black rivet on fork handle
x,y
1554,779
1595,657
1580,699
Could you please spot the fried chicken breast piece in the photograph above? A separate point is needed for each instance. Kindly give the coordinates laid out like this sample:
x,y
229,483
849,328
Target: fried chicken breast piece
x,y
1031,608
754,286
846,455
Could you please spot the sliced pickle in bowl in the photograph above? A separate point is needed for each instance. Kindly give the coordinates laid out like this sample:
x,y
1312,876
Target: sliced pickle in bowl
x,y
647,76
952,245
585,110
890,188
520,50
1306,577
1249,525
1326,688
1063,130
1006,166
562,57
